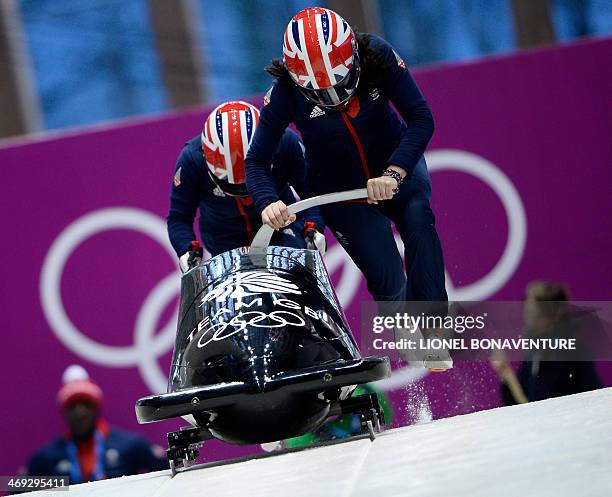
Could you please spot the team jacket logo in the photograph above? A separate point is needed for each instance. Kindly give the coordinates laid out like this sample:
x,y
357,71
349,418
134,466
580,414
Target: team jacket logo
x,y
316,112
267,96
400,61
177,177
249,283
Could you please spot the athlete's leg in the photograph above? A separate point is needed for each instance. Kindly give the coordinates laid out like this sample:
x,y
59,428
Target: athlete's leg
x,y
415,221
365,233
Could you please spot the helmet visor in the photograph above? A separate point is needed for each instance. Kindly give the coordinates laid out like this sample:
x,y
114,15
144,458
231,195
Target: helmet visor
x,y
338,94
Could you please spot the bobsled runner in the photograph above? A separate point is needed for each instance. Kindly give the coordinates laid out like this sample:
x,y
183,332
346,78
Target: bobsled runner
x,y
263,351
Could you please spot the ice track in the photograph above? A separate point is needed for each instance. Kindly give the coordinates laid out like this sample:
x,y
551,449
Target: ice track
x,y
558,447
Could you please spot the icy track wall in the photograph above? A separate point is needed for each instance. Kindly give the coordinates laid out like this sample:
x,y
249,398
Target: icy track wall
x,y
554,448
89,276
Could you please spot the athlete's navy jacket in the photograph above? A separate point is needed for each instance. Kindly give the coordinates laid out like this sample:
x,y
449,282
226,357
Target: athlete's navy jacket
x,y
229,222
343,148
124,454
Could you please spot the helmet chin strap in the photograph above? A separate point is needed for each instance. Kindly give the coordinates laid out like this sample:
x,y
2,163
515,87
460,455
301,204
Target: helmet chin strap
x,y
222,185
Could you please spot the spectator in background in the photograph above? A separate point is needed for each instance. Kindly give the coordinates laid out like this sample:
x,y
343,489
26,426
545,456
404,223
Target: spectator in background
x,y
91,449
545,374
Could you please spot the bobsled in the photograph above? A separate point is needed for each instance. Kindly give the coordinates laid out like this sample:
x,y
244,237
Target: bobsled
x,y
263,350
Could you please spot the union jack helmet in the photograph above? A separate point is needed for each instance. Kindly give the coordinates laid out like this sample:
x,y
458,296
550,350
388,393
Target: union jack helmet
x,y
320,52
226,137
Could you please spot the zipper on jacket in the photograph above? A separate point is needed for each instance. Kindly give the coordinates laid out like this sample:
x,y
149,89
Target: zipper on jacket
x,y
357,141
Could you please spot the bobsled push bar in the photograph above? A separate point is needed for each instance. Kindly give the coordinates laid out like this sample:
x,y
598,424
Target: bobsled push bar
x,y
264,235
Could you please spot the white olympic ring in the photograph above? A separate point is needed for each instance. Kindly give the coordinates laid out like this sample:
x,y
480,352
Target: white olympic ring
x,y
456,160
459,160
149,346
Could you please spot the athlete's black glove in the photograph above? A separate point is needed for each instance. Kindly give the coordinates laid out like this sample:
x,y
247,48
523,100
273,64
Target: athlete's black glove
x,y
192,257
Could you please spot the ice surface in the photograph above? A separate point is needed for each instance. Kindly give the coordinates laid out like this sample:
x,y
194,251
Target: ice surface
x,y
558,447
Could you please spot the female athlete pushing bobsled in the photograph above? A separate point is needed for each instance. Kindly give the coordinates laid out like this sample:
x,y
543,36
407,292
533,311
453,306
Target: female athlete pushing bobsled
x,y
337,87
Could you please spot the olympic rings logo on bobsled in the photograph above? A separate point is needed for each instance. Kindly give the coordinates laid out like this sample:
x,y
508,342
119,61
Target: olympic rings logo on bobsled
x,y
221,329
215,332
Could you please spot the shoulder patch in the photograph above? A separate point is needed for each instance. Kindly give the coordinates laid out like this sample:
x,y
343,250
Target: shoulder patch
x,y
400,61
177,177
267,96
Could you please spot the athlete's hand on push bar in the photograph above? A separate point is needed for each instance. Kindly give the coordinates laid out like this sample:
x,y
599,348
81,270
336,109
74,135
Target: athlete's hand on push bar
x,y
385,186
277,216
380,189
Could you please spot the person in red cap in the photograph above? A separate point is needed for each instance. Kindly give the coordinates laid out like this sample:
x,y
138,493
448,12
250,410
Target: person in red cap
x,y
91,449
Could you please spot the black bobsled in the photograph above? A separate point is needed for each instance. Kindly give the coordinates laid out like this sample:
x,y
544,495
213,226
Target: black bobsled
x,y
263,352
